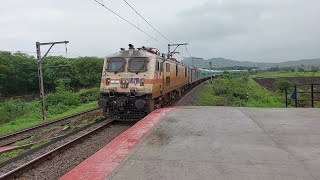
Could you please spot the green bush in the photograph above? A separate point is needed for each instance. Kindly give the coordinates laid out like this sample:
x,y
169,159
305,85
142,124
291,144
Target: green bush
x,y
240,90
89,95
11,109
67,98
58,109
63,96
234,87
283,85
315,69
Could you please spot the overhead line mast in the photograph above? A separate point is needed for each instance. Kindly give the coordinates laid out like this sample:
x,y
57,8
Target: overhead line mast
x,y
174,51
40,60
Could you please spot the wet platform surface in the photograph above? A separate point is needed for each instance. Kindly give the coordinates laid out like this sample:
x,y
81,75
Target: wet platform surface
x,y
228,143
212,143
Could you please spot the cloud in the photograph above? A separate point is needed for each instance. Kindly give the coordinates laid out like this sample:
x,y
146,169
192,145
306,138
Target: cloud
x,y
259,30
251,30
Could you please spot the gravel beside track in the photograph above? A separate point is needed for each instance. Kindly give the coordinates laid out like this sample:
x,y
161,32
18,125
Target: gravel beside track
x,y
190,98
62,163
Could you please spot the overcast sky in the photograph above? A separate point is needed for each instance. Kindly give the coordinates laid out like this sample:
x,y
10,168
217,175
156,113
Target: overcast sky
x,y
253,30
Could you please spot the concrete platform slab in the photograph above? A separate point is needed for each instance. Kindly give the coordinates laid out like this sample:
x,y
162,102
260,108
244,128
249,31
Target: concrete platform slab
x,y
223,143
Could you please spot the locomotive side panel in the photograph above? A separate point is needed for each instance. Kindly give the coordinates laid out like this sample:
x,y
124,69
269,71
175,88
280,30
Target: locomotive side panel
x,y
175,76
158,82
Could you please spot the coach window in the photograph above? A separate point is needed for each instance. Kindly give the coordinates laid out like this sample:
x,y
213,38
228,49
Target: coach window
x,y
168,81
167,67
157,66
176,69
161,66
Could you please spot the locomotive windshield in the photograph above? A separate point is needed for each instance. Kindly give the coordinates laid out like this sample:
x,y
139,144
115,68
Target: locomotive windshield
x,y
116,65
138,65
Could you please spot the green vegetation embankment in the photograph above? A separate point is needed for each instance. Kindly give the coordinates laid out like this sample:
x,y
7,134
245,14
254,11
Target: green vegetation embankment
x,y
238,90
285,74
18,114
70,86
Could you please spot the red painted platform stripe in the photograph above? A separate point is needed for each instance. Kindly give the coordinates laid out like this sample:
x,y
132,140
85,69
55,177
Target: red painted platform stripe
x,y
103,162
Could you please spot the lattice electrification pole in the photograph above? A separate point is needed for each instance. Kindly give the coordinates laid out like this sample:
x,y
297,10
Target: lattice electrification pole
x,y
40,60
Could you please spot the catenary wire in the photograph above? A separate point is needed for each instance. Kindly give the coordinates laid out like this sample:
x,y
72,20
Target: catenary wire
x,y
32,52
127,21
146,21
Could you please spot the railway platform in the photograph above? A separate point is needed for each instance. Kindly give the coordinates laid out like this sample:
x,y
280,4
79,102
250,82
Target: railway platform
x,y
212,143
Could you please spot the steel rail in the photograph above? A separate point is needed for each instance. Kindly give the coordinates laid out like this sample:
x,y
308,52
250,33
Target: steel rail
x,y
11,135
31,164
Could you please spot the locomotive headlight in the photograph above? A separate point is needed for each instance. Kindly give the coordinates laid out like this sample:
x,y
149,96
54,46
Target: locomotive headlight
x,y
142,82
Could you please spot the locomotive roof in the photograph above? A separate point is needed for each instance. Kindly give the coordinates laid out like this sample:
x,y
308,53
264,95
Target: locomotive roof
x,y
133,53
139,53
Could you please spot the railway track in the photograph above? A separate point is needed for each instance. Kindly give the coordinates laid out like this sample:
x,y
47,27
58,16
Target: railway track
x,y
28,132
33,163
59,150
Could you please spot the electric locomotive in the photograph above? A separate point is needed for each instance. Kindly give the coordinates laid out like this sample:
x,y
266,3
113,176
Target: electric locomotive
x,y
136,81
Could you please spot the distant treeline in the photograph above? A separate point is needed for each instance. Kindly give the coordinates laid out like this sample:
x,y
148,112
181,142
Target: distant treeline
x,y
19,74
301,68
236,68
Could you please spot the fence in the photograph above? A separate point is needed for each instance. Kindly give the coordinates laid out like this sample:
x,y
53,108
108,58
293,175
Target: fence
x,y
304,95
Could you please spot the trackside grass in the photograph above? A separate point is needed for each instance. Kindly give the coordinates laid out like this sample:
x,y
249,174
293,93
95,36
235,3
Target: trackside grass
x,y
18,114
35,118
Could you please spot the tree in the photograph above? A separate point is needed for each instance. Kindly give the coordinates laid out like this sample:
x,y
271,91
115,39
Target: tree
x,y
18,73
56,68
283,85
87,70
300,69
314,69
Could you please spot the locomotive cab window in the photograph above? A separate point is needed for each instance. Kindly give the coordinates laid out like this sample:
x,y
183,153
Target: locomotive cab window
x,y
116,64
138,65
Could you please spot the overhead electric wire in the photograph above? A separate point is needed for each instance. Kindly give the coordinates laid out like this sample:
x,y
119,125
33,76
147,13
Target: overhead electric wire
x,y
32,52
17,51
128,21
146,21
